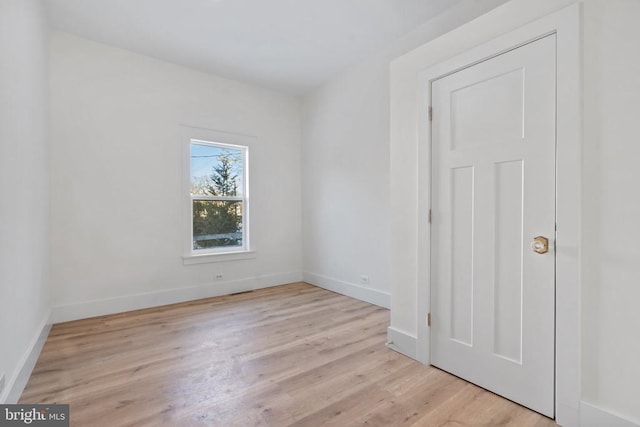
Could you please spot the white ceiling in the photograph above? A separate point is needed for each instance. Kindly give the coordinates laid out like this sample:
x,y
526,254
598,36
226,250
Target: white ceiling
x,y
289,45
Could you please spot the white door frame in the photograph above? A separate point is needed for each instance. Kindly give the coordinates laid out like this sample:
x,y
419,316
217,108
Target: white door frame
x,y
566,25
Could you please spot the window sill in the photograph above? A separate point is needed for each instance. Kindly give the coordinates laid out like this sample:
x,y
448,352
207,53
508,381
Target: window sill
x,y
217,257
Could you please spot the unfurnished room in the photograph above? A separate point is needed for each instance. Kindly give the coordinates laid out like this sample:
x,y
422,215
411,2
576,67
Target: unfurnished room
x,y
319,213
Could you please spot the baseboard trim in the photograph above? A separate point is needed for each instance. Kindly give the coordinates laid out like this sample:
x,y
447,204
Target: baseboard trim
x,y
372,296
594,416
402,342
15,386
87,309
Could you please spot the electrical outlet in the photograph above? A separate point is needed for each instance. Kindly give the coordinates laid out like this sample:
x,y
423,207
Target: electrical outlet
x,y
364,279
219,277
1,383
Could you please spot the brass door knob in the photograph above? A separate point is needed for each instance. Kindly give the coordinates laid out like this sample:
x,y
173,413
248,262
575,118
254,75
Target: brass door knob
x,y
540,245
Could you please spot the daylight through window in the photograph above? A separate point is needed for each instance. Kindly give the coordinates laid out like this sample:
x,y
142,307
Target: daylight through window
x,y
218,196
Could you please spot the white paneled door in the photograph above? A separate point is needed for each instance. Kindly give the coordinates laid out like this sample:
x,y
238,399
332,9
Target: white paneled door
x,y
493,194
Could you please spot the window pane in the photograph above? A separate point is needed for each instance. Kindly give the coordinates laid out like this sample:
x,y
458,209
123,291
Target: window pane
x,y
216,171
216,224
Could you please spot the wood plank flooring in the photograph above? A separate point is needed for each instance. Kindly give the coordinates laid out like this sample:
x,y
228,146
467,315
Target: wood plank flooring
x,y
292,355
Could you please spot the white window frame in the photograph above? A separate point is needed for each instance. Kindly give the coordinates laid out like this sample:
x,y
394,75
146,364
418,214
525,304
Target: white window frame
x,y
223,140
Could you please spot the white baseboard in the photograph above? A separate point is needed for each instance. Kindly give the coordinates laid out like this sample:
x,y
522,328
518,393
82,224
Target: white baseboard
x,y
16,384
402,342
87,309
594,416
372,296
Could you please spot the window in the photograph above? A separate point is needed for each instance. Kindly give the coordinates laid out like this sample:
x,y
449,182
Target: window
x,y
219,197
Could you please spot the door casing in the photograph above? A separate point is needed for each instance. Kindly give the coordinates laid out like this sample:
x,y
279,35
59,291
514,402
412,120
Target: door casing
x,y
565,23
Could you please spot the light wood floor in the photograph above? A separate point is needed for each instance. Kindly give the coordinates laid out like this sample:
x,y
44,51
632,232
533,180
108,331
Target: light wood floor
x,y
289,355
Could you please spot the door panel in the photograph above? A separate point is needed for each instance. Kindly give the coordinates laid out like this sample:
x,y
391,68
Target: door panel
x,y
493,191
473,123
461,255
507,290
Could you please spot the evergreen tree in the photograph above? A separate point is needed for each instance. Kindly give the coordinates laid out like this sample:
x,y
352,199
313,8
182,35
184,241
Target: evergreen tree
x,y
219,217
224,181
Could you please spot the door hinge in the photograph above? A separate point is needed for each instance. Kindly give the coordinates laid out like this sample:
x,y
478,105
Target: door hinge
x,y
430,216
429,319
430,113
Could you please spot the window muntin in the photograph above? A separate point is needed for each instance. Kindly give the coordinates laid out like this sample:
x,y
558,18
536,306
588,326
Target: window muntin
x,y
218,190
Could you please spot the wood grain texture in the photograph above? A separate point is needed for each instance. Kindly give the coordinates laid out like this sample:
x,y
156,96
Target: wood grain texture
x,y
290,355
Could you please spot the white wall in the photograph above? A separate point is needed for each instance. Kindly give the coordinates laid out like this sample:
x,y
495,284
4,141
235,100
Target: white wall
x,y
24,175
611,214
610,258
345,164
116,179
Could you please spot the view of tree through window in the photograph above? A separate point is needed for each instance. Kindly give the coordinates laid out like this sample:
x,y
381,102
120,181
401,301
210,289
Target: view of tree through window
x,y
217,195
